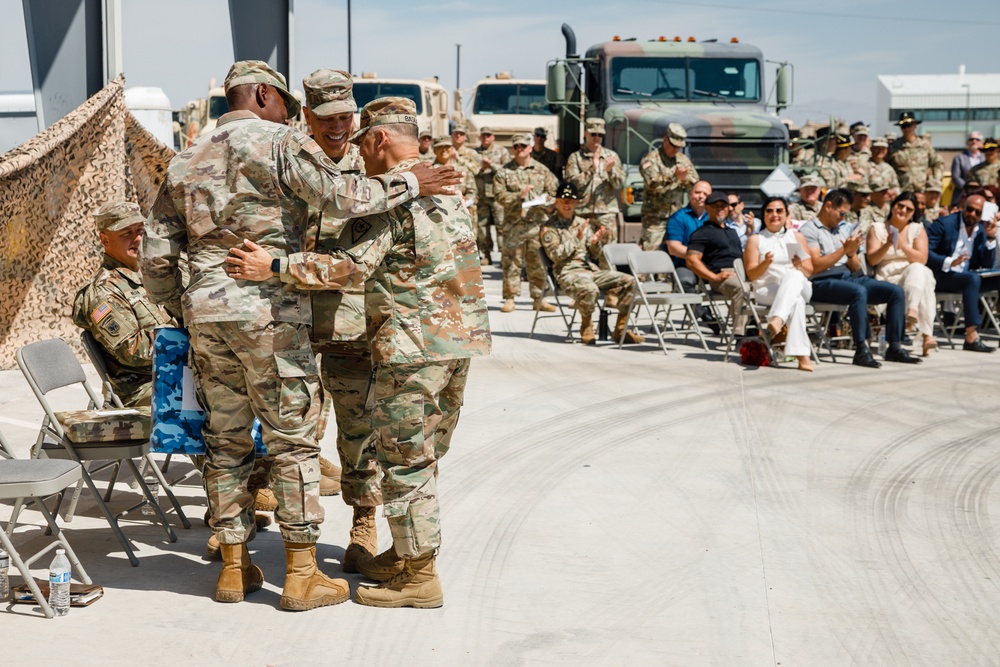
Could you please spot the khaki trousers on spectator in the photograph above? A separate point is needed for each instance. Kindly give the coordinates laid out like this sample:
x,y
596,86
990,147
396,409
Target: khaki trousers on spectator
x,y
730,288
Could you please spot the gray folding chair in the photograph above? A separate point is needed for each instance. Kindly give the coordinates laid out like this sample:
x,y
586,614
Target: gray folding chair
x,y
50,364
665,295
616,255
34,481
551,288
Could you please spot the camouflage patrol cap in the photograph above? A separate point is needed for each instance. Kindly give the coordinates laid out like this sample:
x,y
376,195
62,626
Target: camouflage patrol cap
x,y
425,133
567,190
859,128
878,183
676,135
258,71
860,187
329,92
880,142
595,125
933,185
485,130
385,111
811,180
460,126
118,215
443,140
522,138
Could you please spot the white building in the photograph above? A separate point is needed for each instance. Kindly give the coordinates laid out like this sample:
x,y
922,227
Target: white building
x,y
950,105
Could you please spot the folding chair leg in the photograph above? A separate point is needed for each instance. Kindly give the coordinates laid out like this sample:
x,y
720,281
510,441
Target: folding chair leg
x,y
111,483
57,532
18,503
29,580
169,491
149,496
112,520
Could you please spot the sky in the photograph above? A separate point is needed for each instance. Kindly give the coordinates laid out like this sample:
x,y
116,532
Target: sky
x,y
837,50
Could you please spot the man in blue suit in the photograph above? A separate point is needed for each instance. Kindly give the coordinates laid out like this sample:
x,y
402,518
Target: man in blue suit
x,y
958,245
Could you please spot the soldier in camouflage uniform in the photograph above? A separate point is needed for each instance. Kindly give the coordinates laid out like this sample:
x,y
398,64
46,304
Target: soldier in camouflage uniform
x,y
878,207
464,154
254,178
880,170
835,170
809,204
426,315
114,308
493,157
667,175
598,174
913,157
572,245
987,172
445,156
426,142
540,153
338,331
520,180
862,197
932,203
861,152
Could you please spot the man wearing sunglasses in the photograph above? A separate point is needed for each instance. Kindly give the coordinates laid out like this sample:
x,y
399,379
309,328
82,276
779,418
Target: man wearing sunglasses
x,y
598,174
958,245
963,163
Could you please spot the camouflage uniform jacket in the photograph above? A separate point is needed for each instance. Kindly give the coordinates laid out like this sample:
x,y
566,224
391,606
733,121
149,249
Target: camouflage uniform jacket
x,y
836,173
858,161
662,193
985,173
933,213
870,215
569,249
914,161
470,159
548,157
248,179
801,211
468,186
337,316
114,308
498,157
882,172
424,295
429,156
598,189
512,179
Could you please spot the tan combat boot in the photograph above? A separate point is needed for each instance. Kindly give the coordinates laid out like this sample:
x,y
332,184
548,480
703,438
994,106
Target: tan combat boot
x,y
329,482
587,336
305,586
213,550
264,500
619,332
417,585
508,306
544,306
239,577
382,567
364,540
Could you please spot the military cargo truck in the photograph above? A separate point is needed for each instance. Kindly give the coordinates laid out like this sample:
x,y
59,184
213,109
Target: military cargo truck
x,y
429,96
509,106
714,90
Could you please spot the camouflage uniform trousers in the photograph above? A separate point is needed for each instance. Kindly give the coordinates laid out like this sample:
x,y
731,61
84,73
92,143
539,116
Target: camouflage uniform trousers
x,y
244,370
520,246
415,410
586,286
489,211
654,230
608,221
346,371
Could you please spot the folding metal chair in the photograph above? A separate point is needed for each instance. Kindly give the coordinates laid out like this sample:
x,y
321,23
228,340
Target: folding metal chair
x,y
662,294
51,364
617,254
551,288
34,481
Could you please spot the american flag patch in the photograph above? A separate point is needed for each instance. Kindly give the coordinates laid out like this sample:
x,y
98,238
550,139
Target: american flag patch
x,y
100,312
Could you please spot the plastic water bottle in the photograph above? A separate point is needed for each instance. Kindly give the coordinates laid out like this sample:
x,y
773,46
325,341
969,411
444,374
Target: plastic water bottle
x,y
154,489
4,582
881,342
60,573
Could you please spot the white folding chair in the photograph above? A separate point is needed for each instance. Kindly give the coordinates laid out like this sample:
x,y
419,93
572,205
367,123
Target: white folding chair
x,y
662,294
551,288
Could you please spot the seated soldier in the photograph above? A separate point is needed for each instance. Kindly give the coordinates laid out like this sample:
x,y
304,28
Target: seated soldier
x,y
572,245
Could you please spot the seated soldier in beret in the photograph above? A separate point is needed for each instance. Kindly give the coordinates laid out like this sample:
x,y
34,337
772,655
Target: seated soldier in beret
x,y
573,244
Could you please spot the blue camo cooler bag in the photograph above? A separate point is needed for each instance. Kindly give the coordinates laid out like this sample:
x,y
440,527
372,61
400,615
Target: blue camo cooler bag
x,y
177,417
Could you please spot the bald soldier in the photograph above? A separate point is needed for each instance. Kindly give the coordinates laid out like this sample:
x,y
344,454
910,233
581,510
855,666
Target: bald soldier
x,y
427,317
667,174
253,179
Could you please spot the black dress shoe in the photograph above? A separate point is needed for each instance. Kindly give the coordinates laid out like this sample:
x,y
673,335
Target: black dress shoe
x,y
864,358
977,346
897,353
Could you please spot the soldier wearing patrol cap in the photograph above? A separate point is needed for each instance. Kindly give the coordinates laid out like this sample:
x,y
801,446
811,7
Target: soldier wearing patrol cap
x,y
932,201
542,154
521,180
425,140
114,307
445,156
598,174
861,152
878,168
423,252
988,171
862,197
667,174
253,179
574,246
878,206
809,204
494,157
913,157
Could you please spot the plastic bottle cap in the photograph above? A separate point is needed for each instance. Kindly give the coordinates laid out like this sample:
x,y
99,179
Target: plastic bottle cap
x,y
60,551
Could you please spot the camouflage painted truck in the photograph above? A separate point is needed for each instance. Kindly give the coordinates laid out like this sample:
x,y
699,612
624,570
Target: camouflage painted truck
x,y
714,90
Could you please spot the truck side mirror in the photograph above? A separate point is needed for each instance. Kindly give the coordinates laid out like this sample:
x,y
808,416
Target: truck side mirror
x,y
555,84
783,84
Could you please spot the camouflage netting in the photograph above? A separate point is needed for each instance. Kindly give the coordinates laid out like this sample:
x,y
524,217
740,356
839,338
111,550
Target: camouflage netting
x,y
49,187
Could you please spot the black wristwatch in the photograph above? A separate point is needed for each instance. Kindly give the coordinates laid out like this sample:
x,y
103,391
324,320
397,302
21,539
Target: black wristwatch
x,y
276,266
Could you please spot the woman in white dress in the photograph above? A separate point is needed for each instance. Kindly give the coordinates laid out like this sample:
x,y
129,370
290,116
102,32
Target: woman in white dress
x,y
897,250
779,267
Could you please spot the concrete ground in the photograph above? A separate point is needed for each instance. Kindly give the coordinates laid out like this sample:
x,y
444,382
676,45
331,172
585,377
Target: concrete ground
x,y
604,506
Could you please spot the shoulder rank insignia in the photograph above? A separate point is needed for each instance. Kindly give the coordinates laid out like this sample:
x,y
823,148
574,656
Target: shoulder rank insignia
x,y
112,326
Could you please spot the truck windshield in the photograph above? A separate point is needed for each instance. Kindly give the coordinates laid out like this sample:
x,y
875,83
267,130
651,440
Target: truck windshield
x,y
511,98
366,91
687,79
217,106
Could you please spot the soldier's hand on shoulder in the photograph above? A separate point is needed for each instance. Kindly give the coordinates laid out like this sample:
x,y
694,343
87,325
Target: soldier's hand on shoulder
x,y
436,180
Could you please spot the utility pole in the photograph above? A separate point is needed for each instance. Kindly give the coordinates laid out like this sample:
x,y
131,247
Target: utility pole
x,y
458,66
349,69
